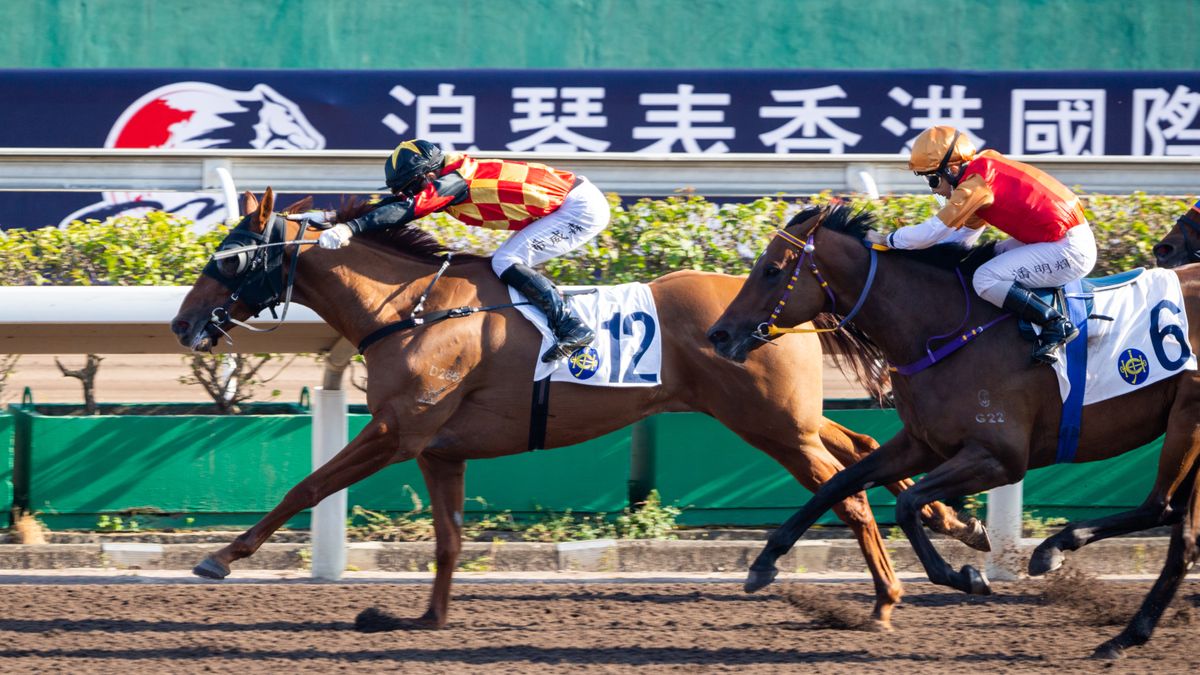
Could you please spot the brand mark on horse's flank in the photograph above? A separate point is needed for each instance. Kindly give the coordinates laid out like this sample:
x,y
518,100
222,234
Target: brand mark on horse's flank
x,y
990,418
1133,366
445,374
984,399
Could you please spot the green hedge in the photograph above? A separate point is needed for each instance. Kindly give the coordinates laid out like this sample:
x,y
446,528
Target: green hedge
x,y
647,238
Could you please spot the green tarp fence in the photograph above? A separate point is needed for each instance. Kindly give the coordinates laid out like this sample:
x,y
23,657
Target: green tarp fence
x,y
181,470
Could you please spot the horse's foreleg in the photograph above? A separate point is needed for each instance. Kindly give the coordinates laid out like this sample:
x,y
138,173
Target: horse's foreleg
x,y
370,451
897,458
445,479
849,447
973,469
1181,555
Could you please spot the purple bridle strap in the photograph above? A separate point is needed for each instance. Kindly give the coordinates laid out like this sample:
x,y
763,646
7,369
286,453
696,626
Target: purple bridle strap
x,y
932,356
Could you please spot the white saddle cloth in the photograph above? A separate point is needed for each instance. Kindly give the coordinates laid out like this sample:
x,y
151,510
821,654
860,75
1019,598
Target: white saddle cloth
x,y
1144,343
627,351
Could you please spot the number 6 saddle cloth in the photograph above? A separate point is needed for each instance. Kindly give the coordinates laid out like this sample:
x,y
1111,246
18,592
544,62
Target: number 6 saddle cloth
x,y
1144,342
627,351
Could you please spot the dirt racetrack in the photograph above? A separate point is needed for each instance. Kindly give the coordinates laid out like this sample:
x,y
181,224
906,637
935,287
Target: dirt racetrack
x,y
575,627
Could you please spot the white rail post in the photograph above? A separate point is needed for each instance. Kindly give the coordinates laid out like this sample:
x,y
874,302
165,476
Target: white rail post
x,y
1005,503
329,435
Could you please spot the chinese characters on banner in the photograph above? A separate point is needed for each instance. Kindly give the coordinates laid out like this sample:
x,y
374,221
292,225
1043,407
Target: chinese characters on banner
x,y
669,111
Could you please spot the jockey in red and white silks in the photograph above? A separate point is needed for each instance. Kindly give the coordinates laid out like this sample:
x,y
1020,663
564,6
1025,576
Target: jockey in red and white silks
x,y
1050,244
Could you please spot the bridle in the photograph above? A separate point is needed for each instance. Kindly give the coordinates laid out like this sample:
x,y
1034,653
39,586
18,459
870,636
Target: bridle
x,y
1187,224
250,265
808,253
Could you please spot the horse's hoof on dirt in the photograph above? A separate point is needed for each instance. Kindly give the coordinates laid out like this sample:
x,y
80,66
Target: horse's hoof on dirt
x,y
375,620
976,536
759,579
1045,559
1108,651
210,569
977,582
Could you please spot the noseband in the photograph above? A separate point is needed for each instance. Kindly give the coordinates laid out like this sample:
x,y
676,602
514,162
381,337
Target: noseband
x,y
767,329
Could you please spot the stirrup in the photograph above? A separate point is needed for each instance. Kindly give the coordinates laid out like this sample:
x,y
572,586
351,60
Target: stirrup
x,y
562,350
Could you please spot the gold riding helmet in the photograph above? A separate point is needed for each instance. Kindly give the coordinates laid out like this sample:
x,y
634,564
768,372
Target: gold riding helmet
x,y
938,148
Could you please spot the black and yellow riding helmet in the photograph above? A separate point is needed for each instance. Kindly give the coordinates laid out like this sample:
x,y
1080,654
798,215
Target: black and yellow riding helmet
x,y
406,167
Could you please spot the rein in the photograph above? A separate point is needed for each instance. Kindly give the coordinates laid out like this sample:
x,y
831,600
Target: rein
x,y
767,329
414,321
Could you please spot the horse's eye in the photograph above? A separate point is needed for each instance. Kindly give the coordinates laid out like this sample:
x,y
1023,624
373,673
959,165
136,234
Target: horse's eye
x,y
229,266
771,272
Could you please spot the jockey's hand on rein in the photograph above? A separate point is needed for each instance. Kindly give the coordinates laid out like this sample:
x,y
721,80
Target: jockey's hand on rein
x,y
335,237
875,240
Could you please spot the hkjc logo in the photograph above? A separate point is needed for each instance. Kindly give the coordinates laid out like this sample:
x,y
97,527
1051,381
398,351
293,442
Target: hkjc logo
x,y
583,363
198,115
1134,366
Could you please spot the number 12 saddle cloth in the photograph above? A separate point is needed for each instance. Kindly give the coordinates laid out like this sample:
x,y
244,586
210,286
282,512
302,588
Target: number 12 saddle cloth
x,y
627,351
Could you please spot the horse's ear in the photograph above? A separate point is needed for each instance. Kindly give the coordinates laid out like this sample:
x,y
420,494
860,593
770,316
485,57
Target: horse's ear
x,y
249,203
265,208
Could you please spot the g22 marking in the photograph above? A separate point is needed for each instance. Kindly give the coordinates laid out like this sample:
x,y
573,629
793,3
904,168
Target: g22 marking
x,y
617,327
990,418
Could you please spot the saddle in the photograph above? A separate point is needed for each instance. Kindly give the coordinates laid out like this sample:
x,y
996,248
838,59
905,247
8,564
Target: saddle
x,y
1056,298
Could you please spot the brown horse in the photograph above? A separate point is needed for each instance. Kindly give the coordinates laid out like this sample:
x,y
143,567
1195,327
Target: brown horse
x,y
916,295
1181,246
772,401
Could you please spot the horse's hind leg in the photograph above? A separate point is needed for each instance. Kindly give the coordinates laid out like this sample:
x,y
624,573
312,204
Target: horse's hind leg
x,y
444,478
1181,555
1176,467
370,451
812,466
849,447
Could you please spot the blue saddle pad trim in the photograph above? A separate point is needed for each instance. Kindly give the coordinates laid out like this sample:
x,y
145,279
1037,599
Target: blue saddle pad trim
x,y
1076,354
1112,281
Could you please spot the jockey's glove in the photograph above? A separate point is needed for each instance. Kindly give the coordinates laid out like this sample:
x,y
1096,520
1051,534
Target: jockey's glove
x,y
336,236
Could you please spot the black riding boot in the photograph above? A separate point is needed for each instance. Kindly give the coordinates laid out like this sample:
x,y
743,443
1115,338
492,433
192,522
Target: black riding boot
x,y
569,330
1056,328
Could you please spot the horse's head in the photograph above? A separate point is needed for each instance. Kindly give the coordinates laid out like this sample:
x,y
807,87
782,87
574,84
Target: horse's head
x,y
1181,246
245,276
783,289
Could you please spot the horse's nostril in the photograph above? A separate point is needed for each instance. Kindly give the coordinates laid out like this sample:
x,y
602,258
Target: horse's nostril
x,y
718,337
180,327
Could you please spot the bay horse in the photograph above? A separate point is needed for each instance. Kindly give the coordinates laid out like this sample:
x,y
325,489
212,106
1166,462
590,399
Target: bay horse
x,y
977,420
773,401
1181,246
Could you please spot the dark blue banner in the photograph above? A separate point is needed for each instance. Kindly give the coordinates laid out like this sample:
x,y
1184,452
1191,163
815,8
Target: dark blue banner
x,y
1062,113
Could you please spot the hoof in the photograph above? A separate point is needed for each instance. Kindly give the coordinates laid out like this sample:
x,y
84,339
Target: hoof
x,y
977,582
210,569
375,620
1109,651
1045,559
976,536
759,579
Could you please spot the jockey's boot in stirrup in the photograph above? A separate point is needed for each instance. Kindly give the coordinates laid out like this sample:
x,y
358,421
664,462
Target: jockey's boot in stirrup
x,y
1056,329
569,330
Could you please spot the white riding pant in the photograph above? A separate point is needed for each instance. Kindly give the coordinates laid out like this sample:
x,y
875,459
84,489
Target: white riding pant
x,y
1042,265
582,215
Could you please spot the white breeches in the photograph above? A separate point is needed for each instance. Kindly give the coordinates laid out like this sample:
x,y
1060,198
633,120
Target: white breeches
x,y
582,215
1042,265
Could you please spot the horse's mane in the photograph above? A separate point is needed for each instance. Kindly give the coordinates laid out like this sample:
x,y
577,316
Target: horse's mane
x,y
408,240
856,223
852,350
